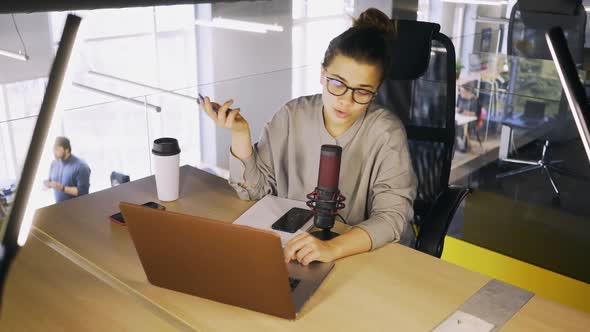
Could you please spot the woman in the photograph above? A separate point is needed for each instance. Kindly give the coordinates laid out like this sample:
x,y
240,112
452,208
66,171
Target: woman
x,y
469,104
376,175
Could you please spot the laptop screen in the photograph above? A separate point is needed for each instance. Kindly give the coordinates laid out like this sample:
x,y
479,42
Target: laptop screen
x,y
16,218
570,81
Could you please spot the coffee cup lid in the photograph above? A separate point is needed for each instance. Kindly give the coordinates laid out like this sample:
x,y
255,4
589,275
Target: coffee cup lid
x,y
166,146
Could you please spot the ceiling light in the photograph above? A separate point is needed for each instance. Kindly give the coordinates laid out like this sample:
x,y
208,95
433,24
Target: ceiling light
x,y
479,2
224,23
18,56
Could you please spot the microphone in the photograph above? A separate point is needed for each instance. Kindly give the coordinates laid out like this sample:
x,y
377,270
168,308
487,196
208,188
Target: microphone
x,y
326,199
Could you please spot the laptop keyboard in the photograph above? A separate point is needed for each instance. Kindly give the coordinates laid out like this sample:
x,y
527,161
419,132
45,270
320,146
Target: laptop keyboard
x,y
293,283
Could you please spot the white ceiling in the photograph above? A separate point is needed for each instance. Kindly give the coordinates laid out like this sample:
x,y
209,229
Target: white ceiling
x,y
35,31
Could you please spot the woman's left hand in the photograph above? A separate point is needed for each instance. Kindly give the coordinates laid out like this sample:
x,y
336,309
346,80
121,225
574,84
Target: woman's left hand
x,y
306,248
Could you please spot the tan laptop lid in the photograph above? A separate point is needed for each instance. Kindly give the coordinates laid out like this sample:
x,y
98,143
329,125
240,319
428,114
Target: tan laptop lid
x,y
211,259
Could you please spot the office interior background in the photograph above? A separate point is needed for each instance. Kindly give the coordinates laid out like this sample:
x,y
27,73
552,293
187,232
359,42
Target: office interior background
x,y
136,74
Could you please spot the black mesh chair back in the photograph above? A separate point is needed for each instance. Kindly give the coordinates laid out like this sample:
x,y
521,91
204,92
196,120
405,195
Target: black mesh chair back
x,y
530,19
420,89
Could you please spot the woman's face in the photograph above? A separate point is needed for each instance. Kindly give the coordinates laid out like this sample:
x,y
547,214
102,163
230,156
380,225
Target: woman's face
x,y
342,111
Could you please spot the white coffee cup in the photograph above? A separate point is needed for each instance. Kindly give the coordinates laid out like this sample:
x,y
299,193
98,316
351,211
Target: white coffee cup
x,y
166,160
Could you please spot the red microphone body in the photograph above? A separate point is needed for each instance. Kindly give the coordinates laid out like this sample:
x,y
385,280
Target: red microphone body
x,y
326,199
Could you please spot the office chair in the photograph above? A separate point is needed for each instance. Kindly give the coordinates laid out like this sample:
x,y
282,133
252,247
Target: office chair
x,y
529,20
119,178
421,90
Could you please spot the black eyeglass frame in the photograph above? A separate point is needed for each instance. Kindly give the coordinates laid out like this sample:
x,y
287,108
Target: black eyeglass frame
x,y
328,79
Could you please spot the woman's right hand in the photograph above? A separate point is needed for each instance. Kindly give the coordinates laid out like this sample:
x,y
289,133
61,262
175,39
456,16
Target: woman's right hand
x,y
225,117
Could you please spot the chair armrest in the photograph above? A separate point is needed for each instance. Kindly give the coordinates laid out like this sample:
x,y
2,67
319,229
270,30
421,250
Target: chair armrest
x,y
431,237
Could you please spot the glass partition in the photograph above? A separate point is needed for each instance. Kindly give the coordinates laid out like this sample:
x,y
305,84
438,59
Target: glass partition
x,y
504,102
140,70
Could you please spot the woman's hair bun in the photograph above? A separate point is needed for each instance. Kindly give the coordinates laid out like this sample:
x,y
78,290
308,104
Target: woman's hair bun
x,y
376,19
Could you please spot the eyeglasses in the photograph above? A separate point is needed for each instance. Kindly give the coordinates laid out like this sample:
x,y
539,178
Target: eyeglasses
x,y
338,88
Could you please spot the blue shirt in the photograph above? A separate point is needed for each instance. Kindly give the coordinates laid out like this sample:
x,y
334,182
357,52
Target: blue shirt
x,y
73,172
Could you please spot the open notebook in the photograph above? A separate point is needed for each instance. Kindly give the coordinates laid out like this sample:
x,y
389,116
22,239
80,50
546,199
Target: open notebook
x,y
268,210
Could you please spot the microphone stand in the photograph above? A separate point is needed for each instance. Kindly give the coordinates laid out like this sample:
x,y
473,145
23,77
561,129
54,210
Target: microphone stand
x,y
325,234
325,212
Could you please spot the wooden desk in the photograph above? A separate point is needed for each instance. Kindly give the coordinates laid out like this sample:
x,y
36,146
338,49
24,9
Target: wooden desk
x,y
393,287
543,315
46,292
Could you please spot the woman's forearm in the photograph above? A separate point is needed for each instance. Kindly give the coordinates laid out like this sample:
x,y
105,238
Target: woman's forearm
x,y
241,146
355,241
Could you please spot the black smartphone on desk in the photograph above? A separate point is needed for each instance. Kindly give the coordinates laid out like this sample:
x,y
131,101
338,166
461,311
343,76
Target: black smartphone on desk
x,y
293,220
118,217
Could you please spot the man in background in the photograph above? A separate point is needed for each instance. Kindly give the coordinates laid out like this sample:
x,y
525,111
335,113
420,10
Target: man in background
x,y
69,176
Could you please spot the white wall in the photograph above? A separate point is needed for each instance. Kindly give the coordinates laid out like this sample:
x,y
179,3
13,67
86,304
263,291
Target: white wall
x,y
385,6
236,60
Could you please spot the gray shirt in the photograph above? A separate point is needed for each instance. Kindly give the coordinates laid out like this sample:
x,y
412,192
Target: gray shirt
x,y
376,174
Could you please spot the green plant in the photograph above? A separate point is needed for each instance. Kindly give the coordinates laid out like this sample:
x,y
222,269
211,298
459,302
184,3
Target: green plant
x,y
458,67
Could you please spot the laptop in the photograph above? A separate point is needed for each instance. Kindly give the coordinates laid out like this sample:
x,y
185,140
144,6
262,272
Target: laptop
x,y
232,264
534,112
571,84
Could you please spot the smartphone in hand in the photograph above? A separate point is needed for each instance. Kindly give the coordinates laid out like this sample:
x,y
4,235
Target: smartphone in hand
x,y
215,109
202,99
293,220
118,217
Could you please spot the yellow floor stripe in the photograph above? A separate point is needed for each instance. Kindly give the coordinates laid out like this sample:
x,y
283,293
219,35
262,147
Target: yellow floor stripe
x,y
545,283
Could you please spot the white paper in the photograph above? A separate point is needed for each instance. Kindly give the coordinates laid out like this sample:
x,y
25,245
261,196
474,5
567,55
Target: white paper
x,y
268,210
461,321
